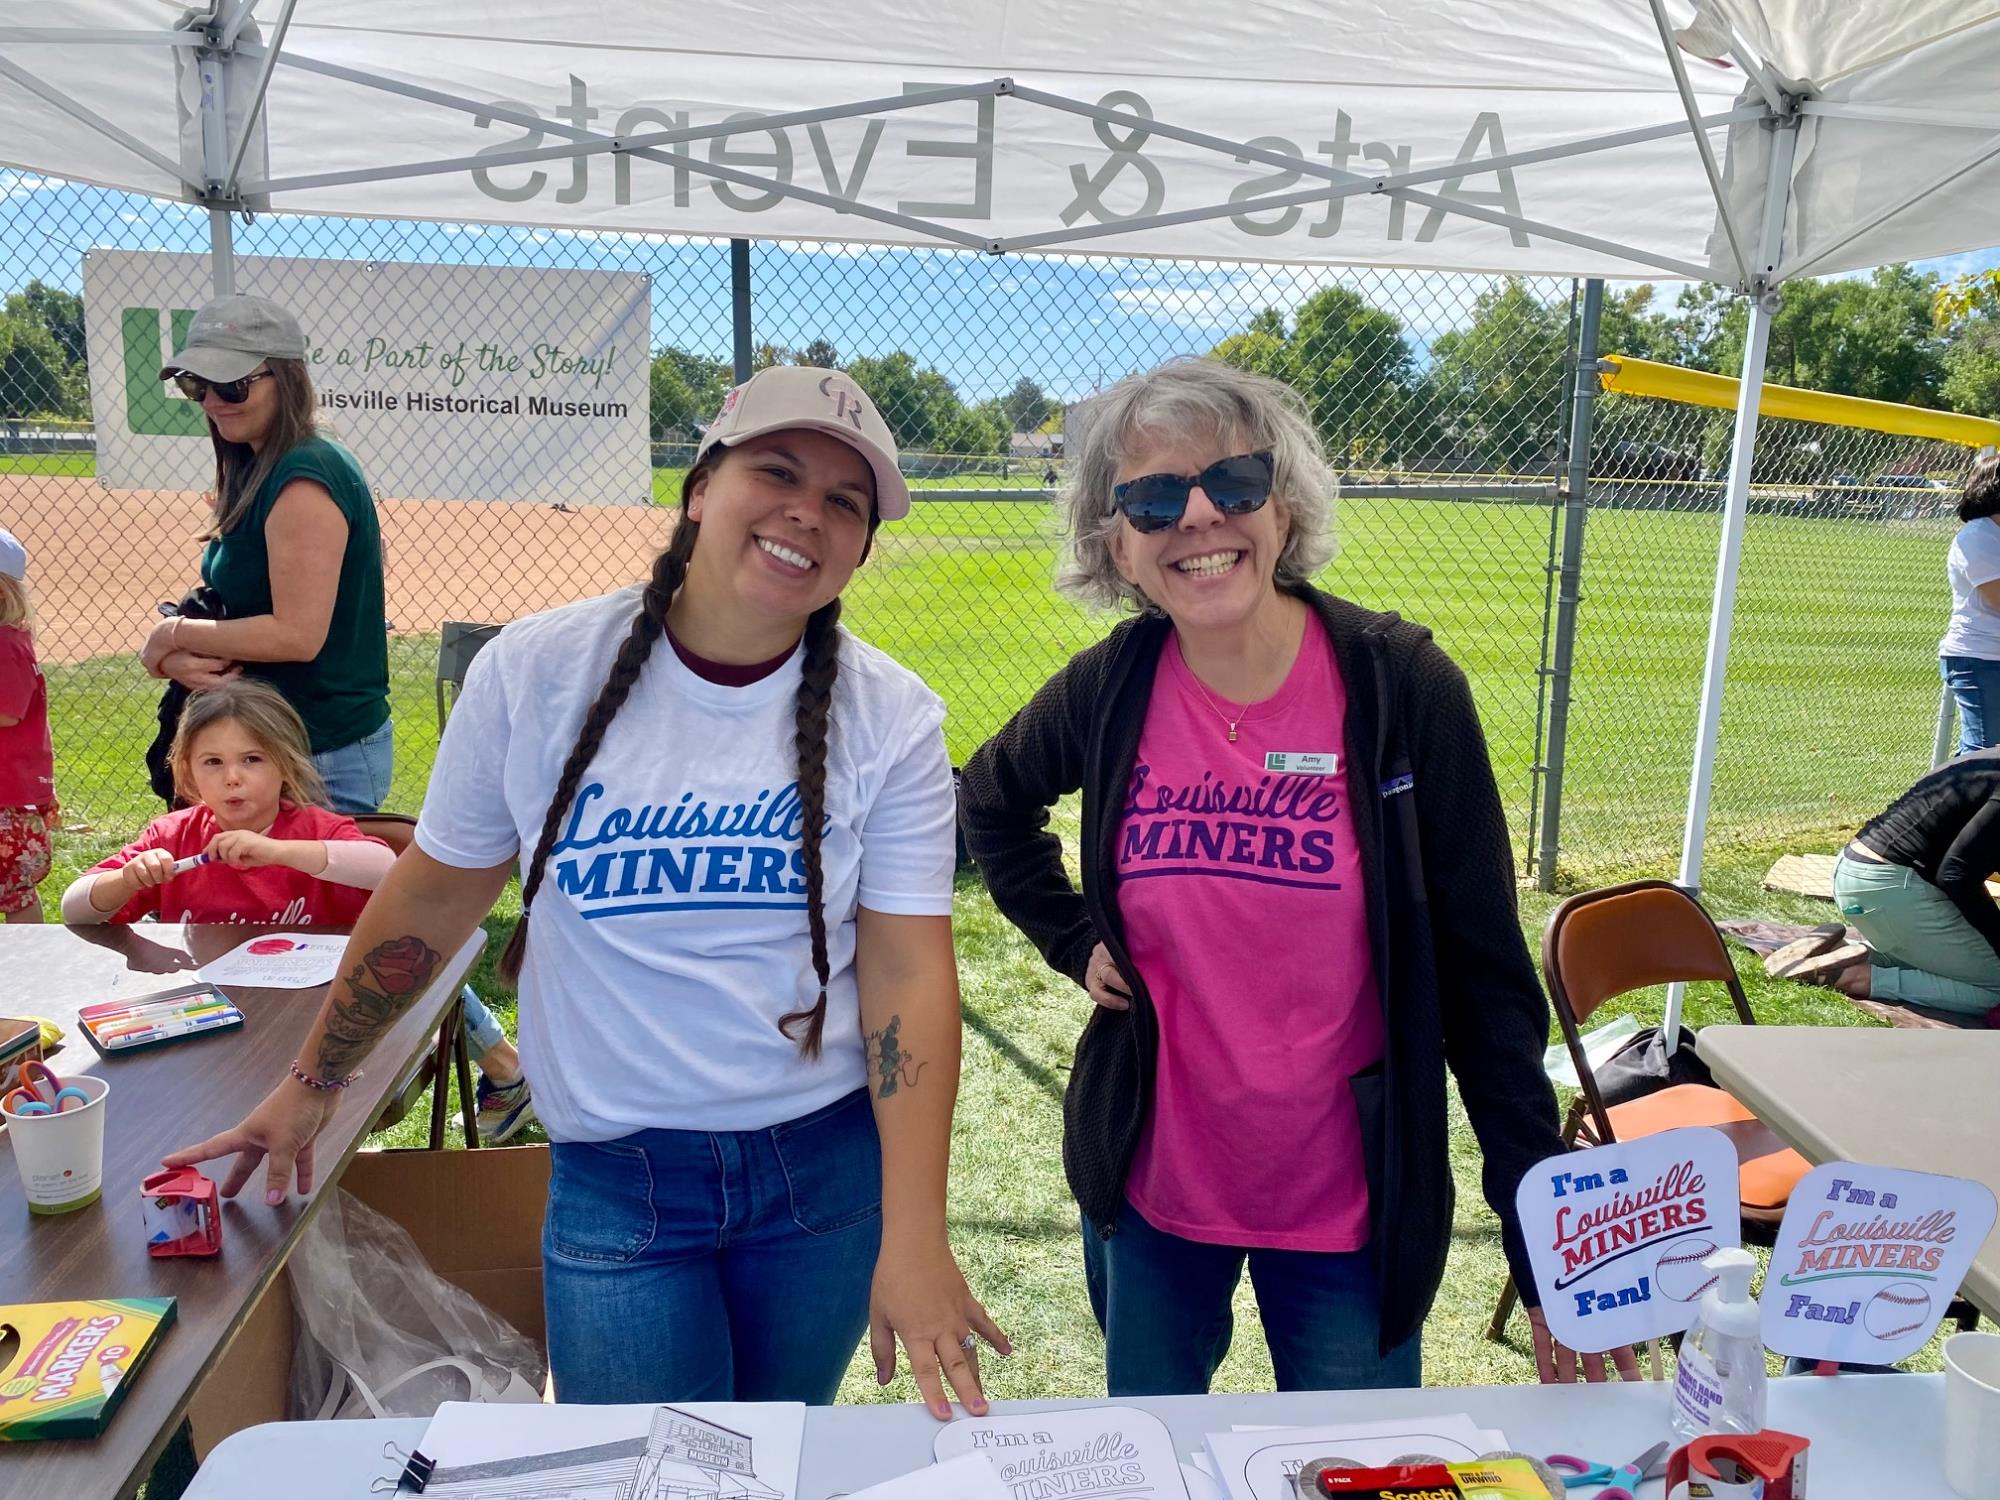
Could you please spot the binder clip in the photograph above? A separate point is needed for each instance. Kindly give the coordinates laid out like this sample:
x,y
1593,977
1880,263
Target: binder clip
x,y
417,1471
180,1214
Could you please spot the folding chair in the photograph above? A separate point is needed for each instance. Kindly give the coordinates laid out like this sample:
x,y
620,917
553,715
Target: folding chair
x,y
397,830
458,642
1602,944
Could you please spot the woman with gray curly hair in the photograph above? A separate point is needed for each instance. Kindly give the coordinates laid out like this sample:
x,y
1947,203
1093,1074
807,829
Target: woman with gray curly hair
x,y
1297,909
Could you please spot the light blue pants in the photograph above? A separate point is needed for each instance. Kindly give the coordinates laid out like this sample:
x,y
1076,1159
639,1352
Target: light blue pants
x,y
1926,953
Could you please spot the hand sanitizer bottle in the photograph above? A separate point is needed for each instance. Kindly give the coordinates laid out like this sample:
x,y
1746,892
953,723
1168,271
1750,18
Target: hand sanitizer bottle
x,y
1721,1385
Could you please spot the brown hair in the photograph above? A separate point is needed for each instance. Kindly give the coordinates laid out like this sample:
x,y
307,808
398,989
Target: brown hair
x,y
1982,488
268,719
240,470
809,736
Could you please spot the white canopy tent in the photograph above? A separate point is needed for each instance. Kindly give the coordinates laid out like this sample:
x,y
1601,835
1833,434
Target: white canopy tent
x,y
1738,141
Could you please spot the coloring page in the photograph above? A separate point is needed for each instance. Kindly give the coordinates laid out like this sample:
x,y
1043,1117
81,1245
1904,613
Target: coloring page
x,y
699,1451
1095,1453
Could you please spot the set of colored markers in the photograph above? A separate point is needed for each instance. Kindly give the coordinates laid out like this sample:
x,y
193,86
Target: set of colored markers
x,y
150,1020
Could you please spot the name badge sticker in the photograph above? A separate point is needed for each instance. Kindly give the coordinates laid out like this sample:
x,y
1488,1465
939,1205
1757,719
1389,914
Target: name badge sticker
x,y
1302,762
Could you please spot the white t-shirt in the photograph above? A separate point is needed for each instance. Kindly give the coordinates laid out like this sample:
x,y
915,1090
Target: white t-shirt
x,y
669,934
1975,559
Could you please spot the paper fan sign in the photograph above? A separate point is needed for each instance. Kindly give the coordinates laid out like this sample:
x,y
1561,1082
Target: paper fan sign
x,y
1617,1234
1867,1260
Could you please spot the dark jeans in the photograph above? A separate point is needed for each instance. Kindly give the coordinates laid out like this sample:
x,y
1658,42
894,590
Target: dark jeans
x,y
1975,684
1164,1305
690,1265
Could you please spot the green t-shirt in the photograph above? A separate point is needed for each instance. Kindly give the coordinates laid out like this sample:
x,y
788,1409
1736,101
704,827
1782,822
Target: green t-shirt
x,y
343,693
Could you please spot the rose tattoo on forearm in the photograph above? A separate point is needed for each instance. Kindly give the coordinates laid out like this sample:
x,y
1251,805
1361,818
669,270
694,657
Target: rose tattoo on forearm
x,y
381,987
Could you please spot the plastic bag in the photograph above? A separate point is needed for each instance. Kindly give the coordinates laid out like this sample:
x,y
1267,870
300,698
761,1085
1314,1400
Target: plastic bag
x,y
380,1334
1598,1046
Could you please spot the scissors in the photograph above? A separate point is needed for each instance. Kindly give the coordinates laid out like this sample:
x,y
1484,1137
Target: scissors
x,y
42,1093
1623,1480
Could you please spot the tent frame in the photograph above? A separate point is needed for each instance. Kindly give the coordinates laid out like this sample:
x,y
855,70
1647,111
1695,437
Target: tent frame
x,y
1758,278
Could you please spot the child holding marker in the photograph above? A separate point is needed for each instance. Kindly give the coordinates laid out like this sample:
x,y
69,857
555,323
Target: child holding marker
x,y
27,764
254,845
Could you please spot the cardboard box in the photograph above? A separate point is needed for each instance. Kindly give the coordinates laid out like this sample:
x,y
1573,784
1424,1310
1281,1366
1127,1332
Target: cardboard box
x,y
477,1217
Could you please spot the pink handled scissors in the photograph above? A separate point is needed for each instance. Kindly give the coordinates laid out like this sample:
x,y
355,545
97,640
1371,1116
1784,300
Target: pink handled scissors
x,y
1622,1481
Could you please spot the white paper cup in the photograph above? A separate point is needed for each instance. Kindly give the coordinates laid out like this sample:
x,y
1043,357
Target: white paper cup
x,y
1972,1414
61,1157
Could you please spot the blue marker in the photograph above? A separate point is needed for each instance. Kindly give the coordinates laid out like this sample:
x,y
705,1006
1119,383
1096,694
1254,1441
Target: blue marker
x,y
182,866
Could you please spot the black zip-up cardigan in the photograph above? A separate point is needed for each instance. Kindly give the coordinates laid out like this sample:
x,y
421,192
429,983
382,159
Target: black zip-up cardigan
x,y
1456,984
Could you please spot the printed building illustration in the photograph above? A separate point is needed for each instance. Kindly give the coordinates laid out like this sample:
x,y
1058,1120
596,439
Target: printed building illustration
x,y
680,1457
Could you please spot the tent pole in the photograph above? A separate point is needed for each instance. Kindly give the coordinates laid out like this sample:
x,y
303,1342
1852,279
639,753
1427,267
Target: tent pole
x,y
1735,508
221,252
739,306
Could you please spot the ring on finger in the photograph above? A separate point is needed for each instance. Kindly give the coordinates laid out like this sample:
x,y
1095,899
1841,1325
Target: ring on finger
x,y
969,1342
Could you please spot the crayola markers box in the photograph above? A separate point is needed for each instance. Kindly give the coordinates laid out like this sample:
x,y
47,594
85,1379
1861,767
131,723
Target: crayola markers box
x,y
65,1365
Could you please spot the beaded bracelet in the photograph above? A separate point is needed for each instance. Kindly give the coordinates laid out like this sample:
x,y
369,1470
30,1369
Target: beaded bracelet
x,y
322,1084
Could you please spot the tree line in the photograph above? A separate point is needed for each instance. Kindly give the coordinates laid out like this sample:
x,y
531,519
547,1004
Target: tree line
x,y
1485,395
1490,395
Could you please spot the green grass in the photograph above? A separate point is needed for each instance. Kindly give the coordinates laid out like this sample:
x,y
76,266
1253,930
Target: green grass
x,y
1832,694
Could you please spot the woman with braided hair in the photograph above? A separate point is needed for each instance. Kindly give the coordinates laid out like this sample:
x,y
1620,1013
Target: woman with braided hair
x,y
739,1004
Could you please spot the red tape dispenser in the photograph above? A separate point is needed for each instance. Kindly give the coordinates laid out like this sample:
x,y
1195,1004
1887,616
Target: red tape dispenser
x,y
1767,1465
181,1213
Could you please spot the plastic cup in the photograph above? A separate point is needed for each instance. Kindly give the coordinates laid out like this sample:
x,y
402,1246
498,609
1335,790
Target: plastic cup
x,y
61,1157
1972,1414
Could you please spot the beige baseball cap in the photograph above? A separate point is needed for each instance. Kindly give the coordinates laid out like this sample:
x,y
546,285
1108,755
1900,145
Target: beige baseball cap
x,y
828,401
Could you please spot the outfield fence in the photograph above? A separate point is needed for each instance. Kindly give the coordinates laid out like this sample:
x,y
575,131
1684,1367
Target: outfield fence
x,y
1446,401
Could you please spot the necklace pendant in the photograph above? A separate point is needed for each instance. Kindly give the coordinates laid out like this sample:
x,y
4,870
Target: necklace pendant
x,y
1232,734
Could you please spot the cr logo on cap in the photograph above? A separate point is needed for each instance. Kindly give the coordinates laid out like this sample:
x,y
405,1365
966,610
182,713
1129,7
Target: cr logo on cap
x,y
847,407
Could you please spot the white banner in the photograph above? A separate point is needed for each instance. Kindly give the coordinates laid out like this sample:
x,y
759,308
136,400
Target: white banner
x,y
447,382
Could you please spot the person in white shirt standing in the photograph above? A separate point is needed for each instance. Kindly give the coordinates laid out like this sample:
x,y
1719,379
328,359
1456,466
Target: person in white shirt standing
x,y
1969,654
739,1001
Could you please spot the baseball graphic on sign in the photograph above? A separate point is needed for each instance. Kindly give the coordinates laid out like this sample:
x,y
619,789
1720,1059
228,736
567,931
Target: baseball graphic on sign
x,y
1900,1308
1680,1272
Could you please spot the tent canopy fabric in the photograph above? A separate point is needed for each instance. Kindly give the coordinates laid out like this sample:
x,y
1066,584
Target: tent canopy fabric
x,y
1165,128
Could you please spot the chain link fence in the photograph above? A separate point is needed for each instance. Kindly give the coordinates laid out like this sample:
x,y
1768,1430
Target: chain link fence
x,y
1444,399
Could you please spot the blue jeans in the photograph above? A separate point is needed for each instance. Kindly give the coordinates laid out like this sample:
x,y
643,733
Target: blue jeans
x,y
1164,1305
1975,684
689,1265
357,774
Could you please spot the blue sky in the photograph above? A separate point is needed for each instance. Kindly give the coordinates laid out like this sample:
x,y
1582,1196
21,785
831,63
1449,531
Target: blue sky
x,y
1070,322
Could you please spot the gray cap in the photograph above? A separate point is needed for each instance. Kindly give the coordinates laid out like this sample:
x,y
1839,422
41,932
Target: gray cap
x,y
13,557
232,336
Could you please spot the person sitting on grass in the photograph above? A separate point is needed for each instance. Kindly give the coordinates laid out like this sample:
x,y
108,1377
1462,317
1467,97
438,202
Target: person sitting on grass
x,y
1912,882
273,852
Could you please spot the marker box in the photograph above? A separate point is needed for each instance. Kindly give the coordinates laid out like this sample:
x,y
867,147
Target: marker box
x,y
141,1021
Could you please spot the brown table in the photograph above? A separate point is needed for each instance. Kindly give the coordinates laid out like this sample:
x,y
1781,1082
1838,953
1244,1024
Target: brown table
x,y
1926,1100
161,1099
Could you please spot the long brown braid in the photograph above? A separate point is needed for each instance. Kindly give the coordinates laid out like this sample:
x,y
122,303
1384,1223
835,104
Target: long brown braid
x,y
809,738
809,724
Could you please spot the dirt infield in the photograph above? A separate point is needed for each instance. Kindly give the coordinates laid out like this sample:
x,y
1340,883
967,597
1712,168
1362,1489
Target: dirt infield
x,y
99,561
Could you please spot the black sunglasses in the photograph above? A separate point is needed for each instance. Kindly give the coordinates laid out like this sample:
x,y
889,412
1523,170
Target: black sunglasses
x,y
231,391
1235,486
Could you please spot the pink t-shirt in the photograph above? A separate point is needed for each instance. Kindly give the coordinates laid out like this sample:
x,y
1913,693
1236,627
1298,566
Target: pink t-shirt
x,y
220,893
27,766
1240,888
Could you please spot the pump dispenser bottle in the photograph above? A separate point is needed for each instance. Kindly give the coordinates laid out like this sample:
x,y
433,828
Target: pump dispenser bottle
x,y
1721,1385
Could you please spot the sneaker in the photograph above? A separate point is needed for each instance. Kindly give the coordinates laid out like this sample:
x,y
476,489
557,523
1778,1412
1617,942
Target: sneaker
x,y
503,1109
1783,963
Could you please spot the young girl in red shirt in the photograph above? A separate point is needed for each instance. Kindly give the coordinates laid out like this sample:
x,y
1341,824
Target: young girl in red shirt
x,y
272,853
27,766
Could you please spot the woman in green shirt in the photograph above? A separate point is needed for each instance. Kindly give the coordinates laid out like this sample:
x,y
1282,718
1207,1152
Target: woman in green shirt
x,y
289,505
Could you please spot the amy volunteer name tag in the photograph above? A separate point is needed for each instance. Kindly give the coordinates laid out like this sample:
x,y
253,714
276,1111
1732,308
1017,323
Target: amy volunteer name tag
x,y
1302,762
